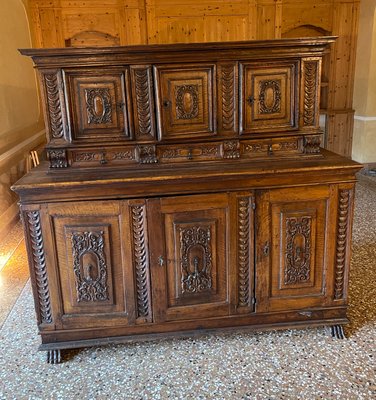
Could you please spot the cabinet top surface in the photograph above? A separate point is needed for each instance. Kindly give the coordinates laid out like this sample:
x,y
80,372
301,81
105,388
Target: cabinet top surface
x,y
43,177
209,49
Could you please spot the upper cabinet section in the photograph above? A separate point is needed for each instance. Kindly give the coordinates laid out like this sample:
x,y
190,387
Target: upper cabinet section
x,y
180,103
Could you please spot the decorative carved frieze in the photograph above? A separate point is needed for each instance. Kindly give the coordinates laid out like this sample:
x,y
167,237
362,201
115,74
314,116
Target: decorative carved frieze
x,y
143,86
102,156
244,295
39,267
196,259
58,158
54,106
228,97
270,89
98,106
298,250
147,154
141,262
186,100
341,248
89,266
310,92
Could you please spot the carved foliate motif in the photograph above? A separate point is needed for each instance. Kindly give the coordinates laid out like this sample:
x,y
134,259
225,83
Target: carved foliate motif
x,y
231,149
310,74
143,88
147,154
98,106
228,97
140,259
298,250
342,227
244,296
54,106
39,267
312,144
196,259
58,158
186,100
89,266
267,87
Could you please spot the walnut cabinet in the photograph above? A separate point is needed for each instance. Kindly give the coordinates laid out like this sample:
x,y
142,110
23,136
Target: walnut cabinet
x,y
185,191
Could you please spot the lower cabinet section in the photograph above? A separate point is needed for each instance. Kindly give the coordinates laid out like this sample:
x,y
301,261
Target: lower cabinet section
x,y
276,257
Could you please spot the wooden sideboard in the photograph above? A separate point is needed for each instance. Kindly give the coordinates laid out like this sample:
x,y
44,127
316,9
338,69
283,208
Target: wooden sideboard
x,y
185,191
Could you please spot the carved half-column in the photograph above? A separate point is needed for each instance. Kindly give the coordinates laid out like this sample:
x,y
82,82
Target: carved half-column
x,y
244,246
38,267
143,100
227,98
344,203
53,86
311,69
196,259
90,267
141,263
298,250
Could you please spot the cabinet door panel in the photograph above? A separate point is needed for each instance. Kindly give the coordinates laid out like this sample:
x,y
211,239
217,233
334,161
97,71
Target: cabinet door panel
x,y
99,104
268,97
196,234
293,252
89,257
186,101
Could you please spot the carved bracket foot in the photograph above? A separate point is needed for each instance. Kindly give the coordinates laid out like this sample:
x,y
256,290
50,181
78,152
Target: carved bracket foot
x,y
337,332
54,357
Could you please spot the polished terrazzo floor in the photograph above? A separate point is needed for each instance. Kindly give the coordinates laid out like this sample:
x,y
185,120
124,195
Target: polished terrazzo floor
x,y
292,364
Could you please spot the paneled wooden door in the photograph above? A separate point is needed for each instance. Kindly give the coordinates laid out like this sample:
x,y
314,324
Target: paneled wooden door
x,y
196,255
268,97
91,269
294,258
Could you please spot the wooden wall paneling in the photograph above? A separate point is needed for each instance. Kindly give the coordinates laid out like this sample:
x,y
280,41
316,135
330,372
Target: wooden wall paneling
x,y
134,23
341,78
302,18
193,21
269,19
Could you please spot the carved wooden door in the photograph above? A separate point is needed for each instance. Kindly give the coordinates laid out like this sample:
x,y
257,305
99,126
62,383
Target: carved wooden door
x,y
99,109
295,230
185,99
194,256
268,97
93,277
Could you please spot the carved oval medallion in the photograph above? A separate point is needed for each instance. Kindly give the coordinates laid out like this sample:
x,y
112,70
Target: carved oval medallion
x,y
270,97
98,106
186,98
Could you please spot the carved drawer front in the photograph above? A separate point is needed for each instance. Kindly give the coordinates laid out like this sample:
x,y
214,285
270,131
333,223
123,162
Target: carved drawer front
x,y
99,109
185,99
294,255
196,231
91,279
268,98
